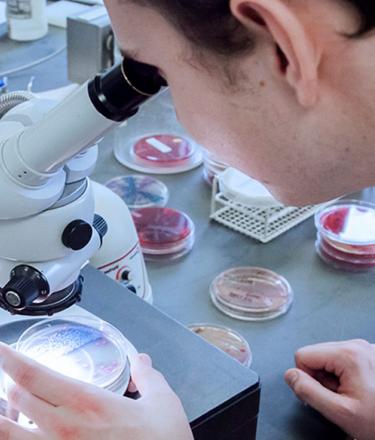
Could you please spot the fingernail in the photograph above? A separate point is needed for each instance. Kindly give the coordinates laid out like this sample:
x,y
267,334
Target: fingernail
x,y
291,378
145,359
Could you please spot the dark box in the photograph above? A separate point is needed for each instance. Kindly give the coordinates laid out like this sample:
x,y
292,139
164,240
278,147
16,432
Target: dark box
x,y
220,397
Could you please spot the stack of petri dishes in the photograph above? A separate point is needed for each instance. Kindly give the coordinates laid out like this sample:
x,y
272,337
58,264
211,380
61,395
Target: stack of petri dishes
x,y
161,154
212,166
251,294
139,191
346,235
225,339
164,233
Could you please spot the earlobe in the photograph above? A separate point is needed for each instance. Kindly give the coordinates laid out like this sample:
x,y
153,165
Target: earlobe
x,y
298,57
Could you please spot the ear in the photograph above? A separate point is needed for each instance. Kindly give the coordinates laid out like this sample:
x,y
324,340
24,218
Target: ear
x,y
298,57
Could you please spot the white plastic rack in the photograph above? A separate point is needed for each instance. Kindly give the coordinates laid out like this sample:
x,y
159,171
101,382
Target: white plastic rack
x,y
263,223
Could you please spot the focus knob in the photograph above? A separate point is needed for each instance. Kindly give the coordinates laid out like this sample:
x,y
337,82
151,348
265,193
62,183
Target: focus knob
x,y
24,287
100,225
77,235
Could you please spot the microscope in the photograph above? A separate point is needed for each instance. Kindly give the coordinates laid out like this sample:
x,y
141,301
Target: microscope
x,y
49,229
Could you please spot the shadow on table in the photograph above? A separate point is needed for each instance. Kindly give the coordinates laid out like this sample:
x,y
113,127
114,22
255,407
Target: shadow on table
x,y
308,424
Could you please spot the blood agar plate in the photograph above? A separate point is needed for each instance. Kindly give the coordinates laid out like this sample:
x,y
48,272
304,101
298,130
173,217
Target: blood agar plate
x,y
342,261
350,222
139,191
160,154
226,340
251,294
82,348
346,235
164,233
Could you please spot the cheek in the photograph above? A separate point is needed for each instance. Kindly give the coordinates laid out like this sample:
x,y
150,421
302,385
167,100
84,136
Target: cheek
x,y
199,113
238,128
220,128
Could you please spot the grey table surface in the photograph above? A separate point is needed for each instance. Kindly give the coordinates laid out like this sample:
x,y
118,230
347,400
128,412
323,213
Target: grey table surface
x,y
329,305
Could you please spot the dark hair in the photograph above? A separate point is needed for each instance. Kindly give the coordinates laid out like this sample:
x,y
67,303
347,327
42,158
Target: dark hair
x,y
209,23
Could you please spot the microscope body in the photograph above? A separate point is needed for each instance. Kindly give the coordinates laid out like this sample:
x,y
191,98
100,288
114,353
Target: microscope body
x,y
49,227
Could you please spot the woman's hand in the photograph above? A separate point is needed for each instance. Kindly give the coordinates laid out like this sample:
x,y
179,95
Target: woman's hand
x,y
65,409
338,380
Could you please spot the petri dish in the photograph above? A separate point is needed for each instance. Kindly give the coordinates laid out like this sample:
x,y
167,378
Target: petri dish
x,y
213,166
160,154
251,294
345,256
83,348
139,191
226,340
368,250
348,222
339,263
164,233
163,150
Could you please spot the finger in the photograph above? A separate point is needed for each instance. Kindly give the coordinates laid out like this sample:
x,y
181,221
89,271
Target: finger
x,y
328,380
333,406
11,431
37,410
147,380
44,383
331,357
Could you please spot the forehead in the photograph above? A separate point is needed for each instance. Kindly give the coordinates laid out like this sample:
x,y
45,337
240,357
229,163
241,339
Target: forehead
x,y
142,32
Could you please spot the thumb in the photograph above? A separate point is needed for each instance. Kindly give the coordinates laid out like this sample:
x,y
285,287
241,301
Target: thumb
x,y
333,406
148,381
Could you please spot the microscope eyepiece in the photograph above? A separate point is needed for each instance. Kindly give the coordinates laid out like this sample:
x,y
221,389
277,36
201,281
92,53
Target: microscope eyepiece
x,y
118,93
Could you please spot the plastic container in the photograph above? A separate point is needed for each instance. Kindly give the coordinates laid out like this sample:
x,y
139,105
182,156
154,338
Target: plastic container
x,y
212,166
164,233
139,191
83,348
346,235
251,294
27,19
226,340
240,188
160,154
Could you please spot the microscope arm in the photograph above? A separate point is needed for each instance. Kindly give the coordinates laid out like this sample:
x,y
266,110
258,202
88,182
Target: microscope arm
x,y
37,155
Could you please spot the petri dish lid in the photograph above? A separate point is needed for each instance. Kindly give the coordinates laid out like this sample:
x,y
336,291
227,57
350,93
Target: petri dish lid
x,y
83,348
160,154
213,161
139,191
365,251
226,340
341,264
251,293
348,221
163,230
345,256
